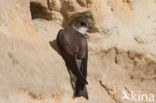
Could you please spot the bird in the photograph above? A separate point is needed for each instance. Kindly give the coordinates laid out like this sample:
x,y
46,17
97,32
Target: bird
x,y
73,47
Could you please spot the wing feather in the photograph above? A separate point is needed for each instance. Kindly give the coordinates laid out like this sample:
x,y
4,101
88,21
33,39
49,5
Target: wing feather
x,y
70,60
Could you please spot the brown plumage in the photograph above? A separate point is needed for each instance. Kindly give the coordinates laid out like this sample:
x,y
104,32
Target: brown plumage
x,y
74,50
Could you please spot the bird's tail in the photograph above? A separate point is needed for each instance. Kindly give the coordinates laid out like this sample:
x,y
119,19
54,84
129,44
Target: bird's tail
x,y
81,89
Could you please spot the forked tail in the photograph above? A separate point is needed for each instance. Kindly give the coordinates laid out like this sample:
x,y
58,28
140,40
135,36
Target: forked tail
x,y
81,89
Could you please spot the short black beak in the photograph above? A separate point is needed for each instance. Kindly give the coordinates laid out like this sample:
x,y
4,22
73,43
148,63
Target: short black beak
x,y
90,27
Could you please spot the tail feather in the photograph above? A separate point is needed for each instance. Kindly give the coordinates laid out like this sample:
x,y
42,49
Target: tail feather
x,y
81,90
83,93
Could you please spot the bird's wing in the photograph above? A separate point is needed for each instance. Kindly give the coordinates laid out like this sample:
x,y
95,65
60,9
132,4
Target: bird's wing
x,y
71,60
83,55
83,67
81,89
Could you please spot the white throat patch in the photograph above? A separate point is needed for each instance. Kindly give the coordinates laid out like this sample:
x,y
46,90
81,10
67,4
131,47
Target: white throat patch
x,y
81,30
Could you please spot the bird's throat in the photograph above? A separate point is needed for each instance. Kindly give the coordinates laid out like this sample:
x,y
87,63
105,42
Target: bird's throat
x,y
81,30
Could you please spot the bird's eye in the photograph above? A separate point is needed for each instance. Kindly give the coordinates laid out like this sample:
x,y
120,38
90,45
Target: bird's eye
x,y
83,24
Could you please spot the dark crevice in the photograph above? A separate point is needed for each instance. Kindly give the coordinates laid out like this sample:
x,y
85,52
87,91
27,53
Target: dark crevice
x,y
111,95
39,11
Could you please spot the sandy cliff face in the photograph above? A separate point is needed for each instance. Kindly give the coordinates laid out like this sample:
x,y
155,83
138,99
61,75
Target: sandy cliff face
x,y
122,51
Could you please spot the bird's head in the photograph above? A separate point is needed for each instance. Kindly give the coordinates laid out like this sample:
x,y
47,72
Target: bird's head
x,y
81,24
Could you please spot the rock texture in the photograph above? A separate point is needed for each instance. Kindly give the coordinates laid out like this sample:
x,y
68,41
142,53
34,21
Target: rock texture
x,y
122,51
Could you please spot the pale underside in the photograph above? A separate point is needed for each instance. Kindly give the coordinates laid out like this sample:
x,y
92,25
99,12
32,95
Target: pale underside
x,y
81,30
